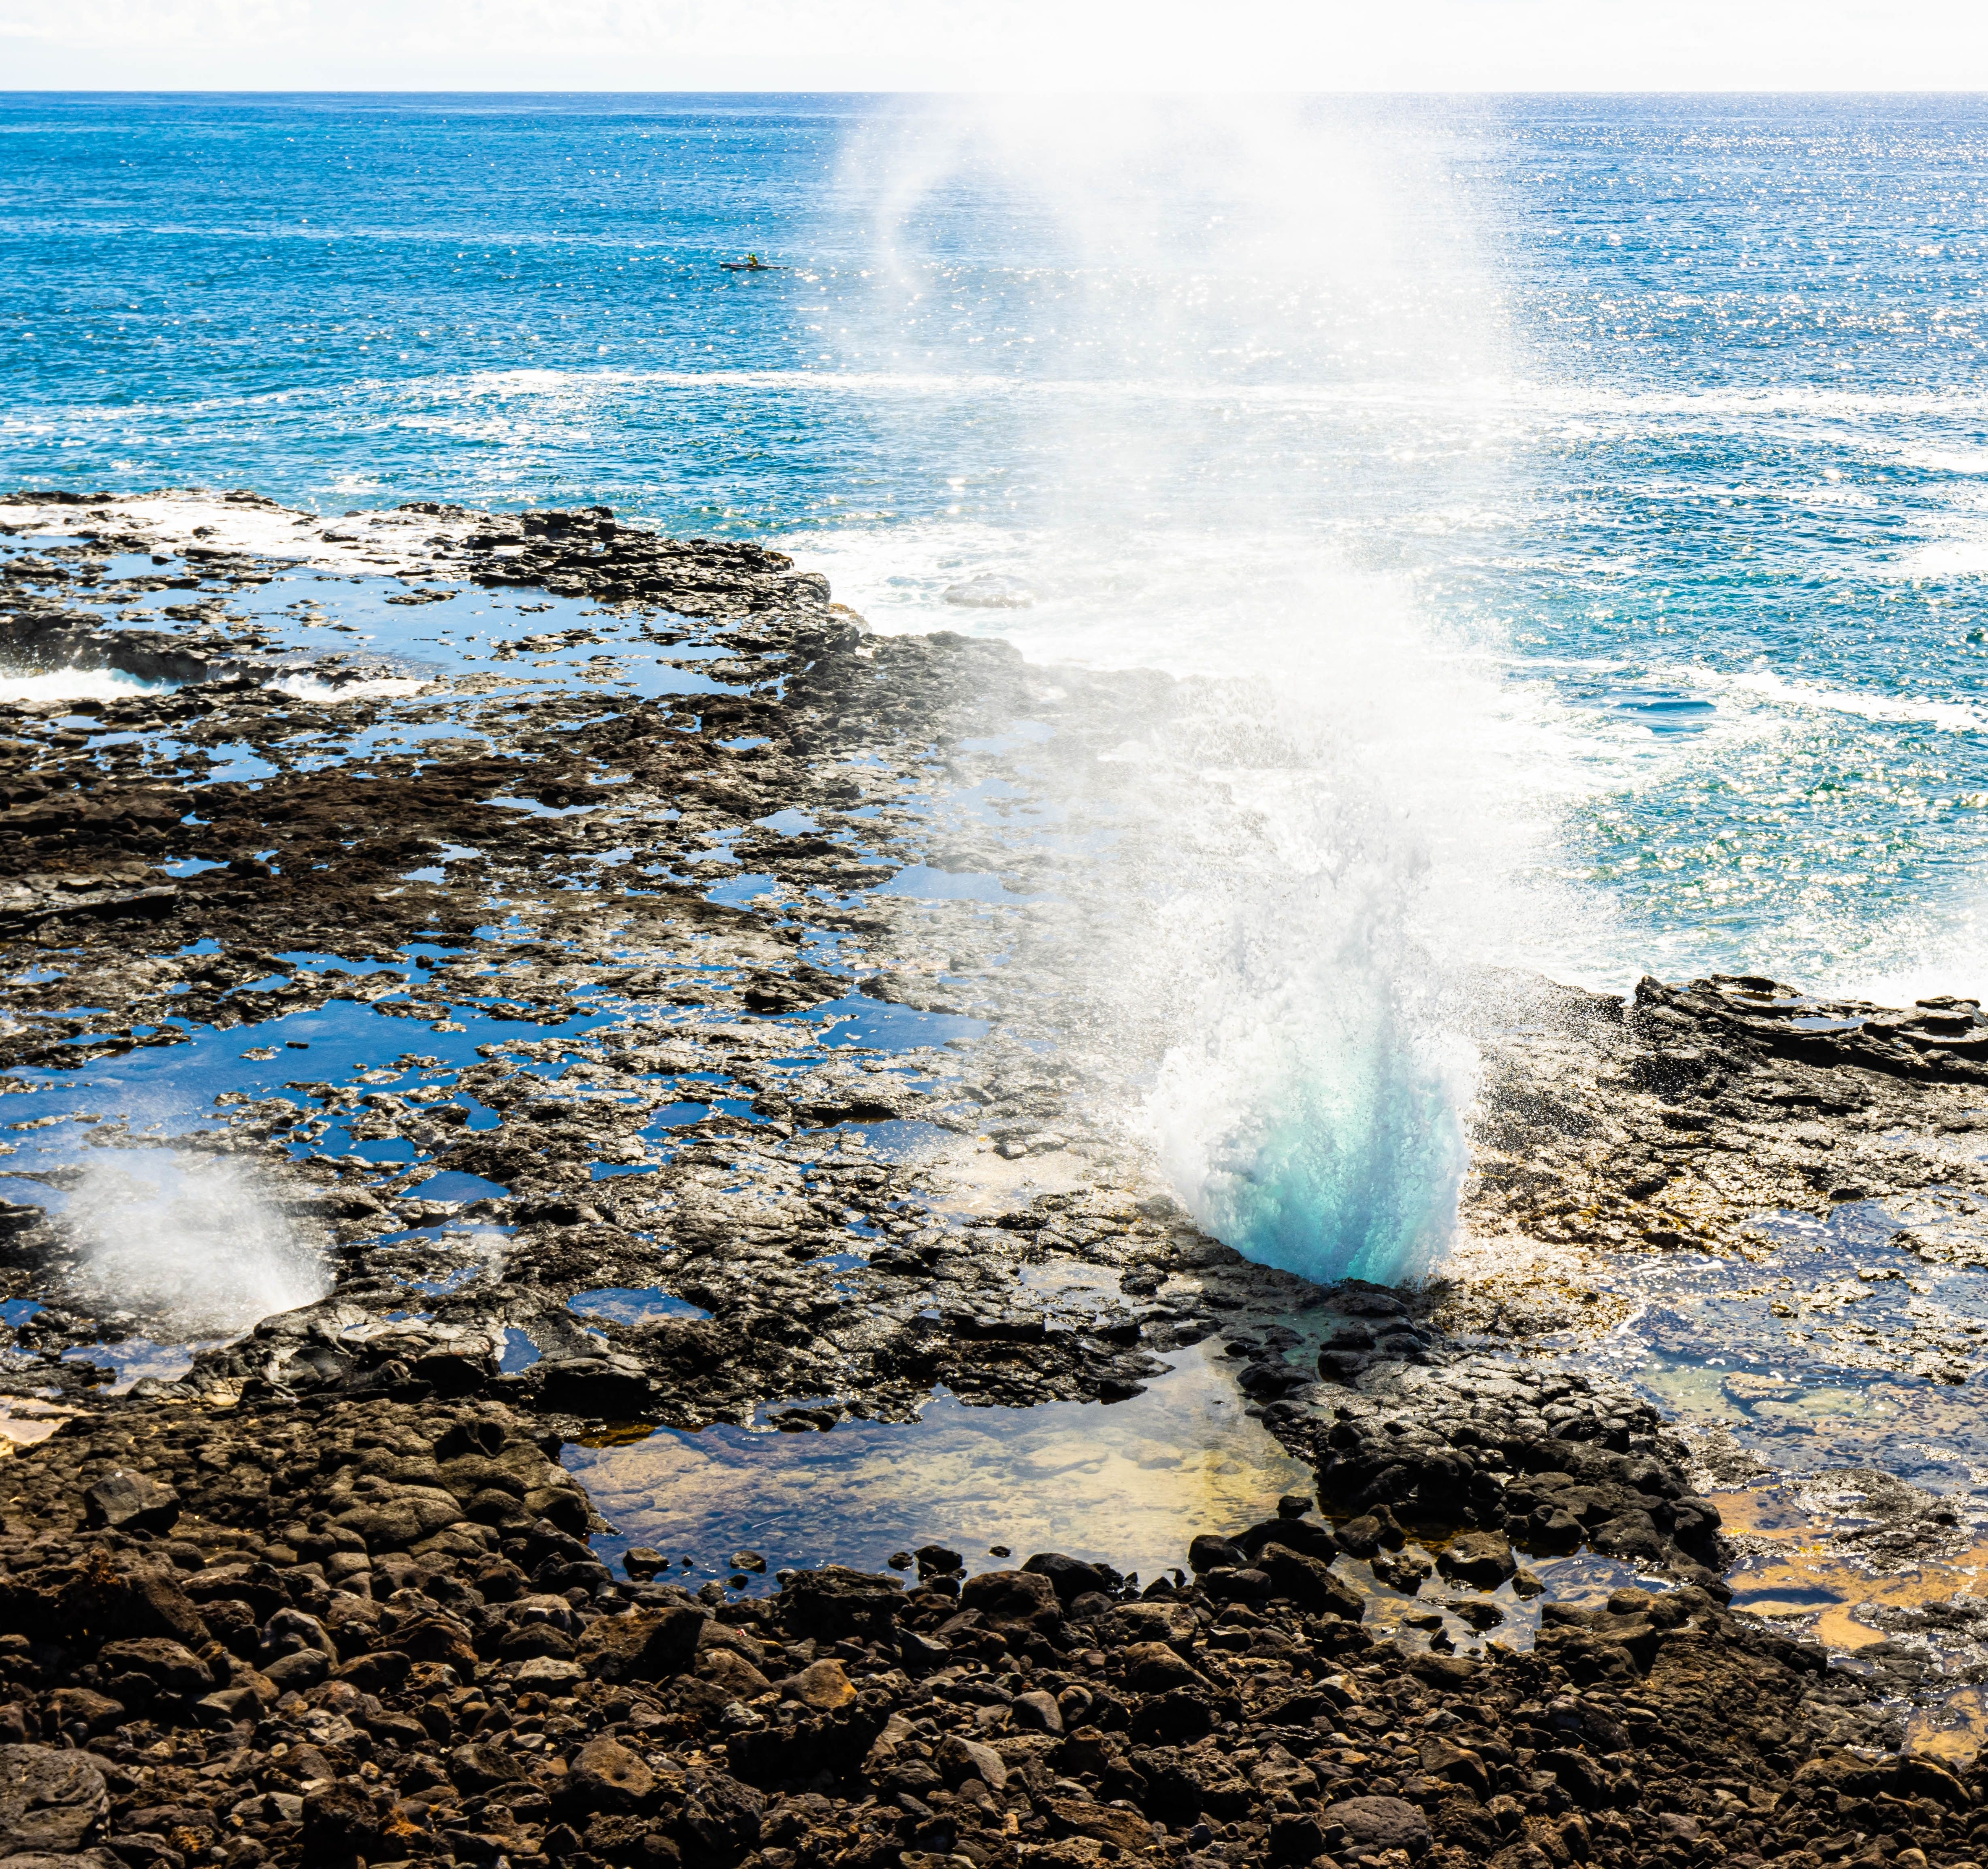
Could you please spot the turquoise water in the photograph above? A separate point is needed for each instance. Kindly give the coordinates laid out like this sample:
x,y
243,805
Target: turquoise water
x,y
1581,505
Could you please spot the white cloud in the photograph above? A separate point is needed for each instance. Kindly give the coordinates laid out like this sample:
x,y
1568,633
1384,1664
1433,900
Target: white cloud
x,y
1056,45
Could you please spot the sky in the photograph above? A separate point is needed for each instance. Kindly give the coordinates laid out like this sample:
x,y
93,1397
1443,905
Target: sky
x,y
1074,45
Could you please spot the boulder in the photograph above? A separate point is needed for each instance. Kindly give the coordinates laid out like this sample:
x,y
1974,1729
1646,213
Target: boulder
x,y
1158,1622
644,1645
109,1601
299,1672
1126,1830
289,1631
822,1687
1009,1598
1294,1534
255,1585
1380,1823
919,1655
1154,1667
721,1816
1208,1552
74,1707
836,1603
604,1775
725,1668
381,1672
480,1769
227,1706
1449,1672
1070,1576
1173,1718
439,1638
131,1502
1036,1712
51,1803
391,1519
958,1759
1483,1558
564,1505
1442,1759
1584,1779
166,1666
340,1823
548,1675
1310,1583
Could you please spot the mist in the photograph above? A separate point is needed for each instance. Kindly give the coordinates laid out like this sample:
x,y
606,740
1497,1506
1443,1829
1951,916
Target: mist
x,y
1258,354
198,1247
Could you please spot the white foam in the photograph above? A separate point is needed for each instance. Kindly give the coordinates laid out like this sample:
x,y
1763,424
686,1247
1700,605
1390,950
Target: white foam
x,y
1945,460
30,689
365,543
1948,716
330,694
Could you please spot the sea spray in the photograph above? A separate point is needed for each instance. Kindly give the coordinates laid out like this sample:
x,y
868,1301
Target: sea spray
x,y
32,686
1307,1106
1330,1146
1273,965
199,1248
1304,845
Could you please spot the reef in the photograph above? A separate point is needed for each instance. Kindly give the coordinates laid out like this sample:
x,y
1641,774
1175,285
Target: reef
x,y
697,1111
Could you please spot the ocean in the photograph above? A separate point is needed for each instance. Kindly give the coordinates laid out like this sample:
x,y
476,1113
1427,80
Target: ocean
x,y
1604,479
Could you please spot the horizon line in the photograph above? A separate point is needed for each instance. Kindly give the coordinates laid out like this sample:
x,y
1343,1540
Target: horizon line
x,y
1567,91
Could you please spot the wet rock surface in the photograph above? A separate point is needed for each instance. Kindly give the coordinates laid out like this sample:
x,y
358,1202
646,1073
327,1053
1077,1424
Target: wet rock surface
x,y
379,1631
1673,1120
684,1120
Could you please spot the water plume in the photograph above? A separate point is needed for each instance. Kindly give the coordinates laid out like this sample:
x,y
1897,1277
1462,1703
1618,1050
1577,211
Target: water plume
x,y
1280,960
1308,844
198,1247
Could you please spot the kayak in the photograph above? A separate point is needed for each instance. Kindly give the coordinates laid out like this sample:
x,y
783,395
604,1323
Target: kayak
x,y
742,265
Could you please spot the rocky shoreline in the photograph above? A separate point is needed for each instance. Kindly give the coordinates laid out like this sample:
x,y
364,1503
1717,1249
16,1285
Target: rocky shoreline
x,y
326,1593
395,1661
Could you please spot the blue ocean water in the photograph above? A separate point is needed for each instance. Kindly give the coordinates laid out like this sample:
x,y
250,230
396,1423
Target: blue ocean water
x,y
1635,446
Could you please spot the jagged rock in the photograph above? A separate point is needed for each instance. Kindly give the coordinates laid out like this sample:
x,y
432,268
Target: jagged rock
x,y
821,1686
166,1666
959,1758
1012,1596
1483,1558
339,1822
1309,1582
604,1775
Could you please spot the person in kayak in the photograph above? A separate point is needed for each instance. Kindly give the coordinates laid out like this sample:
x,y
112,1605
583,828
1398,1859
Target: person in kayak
x,y
751,263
